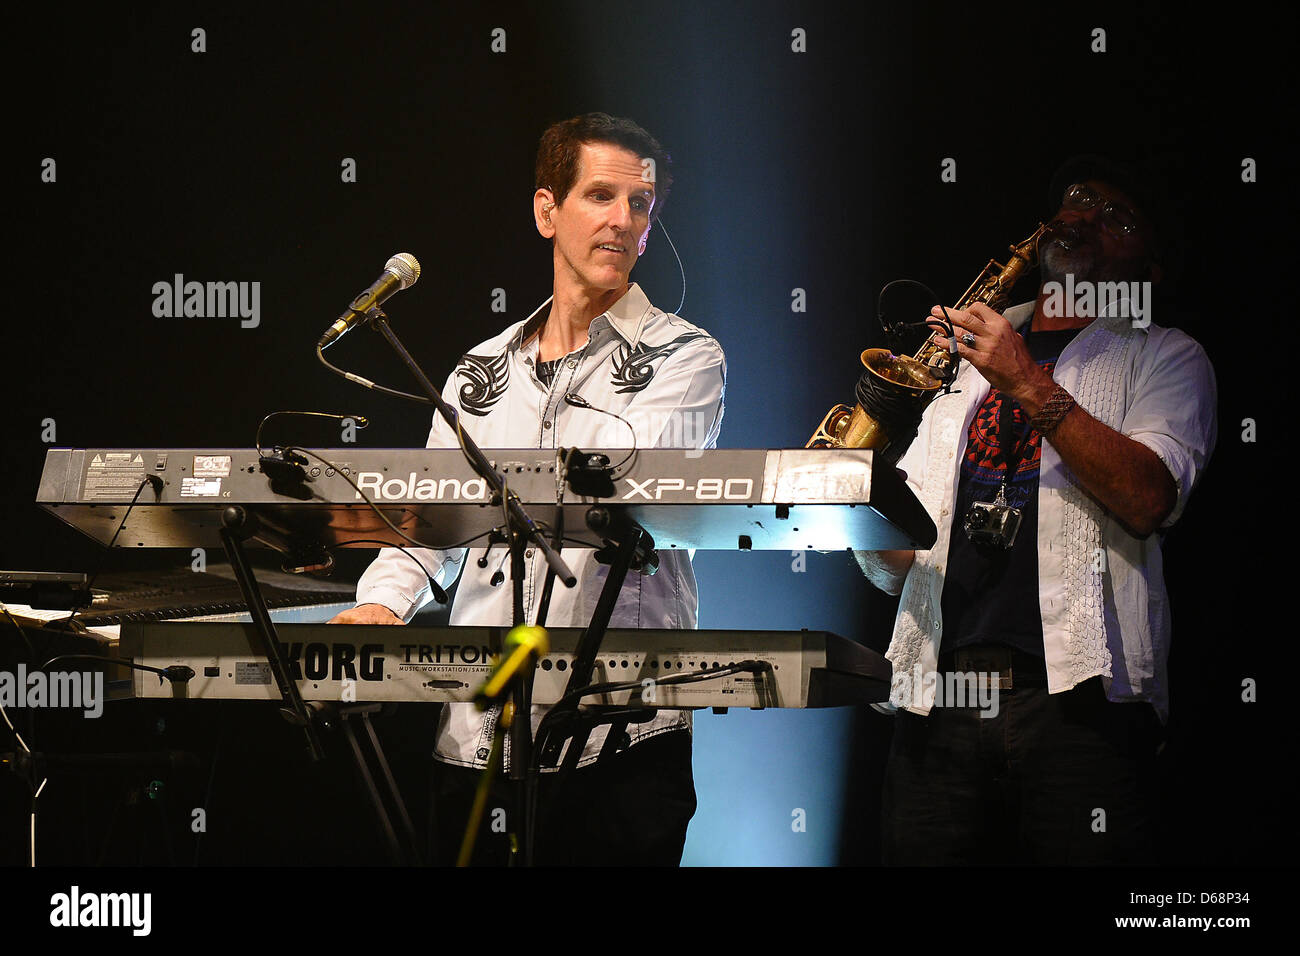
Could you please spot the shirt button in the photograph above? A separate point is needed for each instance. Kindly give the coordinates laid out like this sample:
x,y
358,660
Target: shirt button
x,y
546,424
573,363
528,553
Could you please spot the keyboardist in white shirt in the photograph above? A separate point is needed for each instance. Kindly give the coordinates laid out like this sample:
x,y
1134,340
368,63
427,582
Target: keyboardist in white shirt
x,y
599,340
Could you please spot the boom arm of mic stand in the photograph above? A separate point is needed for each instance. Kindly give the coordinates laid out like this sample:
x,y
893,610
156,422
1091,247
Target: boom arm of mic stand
x,y
519,518
521,528
553,559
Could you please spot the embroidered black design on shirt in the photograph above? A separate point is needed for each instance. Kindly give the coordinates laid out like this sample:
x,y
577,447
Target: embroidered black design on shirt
x,y
632,368
488,375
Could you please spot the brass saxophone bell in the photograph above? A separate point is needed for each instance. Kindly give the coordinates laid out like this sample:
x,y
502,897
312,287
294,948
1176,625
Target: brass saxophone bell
x,y
896,389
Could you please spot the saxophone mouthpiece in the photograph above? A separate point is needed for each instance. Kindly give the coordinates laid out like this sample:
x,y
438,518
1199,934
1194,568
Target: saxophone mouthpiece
x,y
1058,231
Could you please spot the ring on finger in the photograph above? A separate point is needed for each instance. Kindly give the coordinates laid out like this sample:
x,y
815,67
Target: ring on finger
x,y
968,340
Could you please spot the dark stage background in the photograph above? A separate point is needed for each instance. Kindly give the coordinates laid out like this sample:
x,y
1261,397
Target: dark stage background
x,y
816,170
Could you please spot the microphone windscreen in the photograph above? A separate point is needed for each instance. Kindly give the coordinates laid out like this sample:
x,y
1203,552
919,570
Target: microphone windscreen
x,y
406,267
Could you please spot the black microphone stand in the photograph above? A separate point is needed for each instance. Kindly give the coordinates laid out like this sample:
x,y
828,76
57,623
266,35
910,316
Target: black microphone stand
x,y
521,531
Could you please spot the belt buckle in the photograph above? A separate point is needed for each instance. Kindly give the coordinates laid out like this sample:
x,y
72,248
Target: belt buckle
x,y
1005,679
982,663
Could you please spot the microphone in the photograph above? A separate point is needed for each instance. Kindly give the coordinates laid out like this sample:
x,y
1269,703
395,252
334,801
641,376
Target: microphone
x,y
524,644
400,272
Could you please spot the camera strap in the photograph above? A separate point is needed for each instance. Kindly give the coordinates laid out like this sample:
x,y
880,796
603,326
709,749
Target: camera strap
x,y
1013,454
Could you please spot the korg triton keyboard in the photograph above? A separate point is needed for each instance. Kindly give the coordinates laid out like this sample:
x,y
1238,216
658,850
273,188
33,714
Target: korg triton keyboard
x,y
375,663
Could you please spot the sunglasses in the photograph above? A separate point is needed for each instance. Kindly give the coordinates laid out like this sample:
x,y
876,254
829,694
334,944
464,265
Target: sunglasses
x,y
1117,219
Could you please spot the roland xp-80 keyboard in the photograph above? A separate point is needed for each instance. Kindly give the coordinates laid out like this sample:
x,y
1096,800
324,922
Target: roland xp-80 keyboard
x,y
725,499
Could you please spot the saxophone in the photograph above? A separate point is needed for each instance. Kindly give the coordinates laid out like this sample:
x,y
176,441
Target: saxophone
x,y
894,390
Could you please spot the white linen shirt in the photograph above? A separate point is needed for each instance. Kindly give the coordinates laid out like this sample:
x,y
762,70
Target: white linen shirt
x,y
663,374
1101,590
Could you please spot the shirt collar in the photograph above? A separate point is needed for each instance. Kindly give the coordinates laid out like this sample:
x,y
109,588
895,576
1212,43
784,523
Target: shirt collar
x,y
628,317
1113,316
1020,314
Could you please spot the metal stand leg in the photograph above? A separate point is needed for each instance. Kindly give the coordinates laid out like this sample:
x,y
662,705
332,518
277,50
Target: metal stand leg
x,y
409,855
238,526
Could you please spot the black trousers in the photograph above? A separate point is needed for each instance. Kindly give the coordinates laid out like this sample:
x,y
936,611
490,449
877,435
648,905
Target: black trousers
x,y
629,810
1053,778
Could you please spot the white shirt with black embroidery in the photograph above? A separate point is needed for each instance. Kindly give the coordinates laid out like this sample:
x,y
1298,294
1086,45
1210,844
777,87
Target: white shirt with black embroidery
x,y
658,371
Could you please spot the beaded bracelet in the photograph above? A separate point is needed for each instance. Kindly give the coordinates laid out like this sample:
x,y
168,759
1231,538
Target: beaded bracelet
x,y
1053,412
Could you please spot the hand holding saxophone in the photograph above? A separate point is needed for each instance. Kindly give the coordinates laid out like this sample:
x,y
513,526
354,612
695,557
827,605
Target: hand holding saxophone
x,y
894,390
996,351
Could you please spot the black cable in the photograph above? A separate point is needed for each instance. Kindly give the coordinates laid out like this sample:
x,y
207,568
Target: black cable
x,y
423,400
893,328
157,484
434,587
439,594
943,325
361,422
899,409
367,383
565,709
577,401
542,526
167,673
455,424
375,508
693,677
388,544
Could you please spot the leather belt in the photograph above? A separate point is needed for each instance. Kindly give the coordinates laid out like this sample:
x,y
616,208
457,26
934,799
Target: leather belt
x,y
1014,667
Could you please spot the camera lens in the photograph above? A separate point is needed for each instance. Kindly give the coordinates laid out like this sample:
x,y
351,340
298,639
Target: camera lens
x,y
976,520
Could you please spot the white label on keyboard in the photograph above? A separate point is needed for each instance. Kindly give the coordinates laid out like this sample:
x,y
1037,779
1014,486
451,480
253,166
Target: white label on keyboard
x,y
252,672
211,466
113,476
200,487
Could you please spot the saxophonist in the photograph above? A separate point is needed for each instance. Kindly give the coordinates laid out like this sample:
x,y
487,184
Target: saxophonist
x,y
1076,431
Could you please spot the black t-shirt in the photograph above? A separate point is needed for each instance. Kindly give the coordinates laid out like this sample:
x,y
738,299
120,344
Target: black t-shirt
x,y
546,371
990,594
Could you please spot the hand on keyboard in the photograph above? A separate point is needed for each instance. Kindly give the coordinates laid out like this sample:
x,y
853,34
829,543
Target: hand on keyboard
x,y
367,614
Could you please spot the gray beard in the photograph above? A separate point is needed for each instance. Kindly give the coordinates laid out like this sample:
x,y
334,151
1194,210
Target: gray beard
x,y
1055,263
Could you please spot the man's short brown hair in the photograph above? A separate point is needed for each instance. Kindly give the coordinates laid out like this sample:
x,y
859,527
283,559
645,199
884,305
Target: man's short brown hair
x,y
557,154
